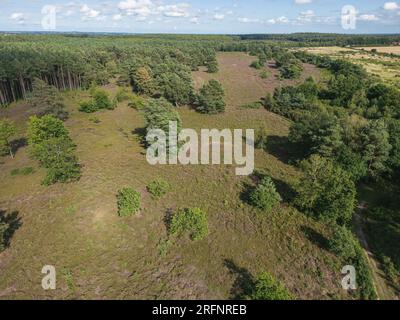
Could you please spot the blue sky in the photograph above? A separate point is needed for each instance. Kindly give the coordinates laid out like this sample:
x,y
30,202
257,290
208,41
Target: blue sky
x,y
201,16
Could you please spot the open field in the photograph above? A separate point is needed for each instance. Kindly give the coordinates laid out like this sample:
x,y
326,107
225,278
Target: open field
x,y
392,49
384,67
75,227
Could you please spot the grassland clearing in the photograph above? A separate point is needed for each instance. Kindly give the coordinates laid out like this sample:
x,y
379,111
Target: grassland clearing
x,y
75,227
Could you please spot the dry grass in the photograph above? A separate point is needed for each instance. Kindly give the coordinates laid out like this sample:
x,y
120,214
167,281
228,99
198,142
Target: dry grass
x,y
392,49
75,227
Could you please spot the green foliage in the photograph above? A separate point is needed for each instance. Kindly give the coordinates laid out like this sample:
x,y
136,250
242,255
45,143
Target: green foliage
x,y
191,221
343,243
267,288
7,131
317,133
129,202
252,105
45,99
44,128
256,65
122,95
265,196
158,115
158,188
326,191
51,145
375,146
136,102
3,235
352,162
261,138
99,100
390,269
211,98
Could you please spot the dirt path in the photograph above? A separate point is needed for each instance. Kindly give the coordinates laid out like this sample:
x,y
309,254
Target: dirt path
x,y
379,282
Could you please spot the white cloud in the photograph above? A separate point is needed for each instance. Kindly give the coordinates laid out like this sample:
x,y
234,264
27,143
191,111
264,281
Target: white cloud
x,y
282,19
248,20
302,1
19,17
175,10
195,20
117,17
136,7
368,17
306,16
88,12
219,16
391,6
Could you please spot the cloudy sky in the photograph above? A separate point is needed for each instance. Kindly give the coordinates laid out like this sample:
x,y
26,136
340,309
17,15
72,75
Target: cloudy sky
x,y
199,16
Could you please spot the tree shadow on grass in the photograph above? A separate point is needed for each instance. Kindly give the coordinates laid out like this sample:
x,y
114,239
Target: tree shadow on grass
x,y
12,222
243,283
141,134
283,149
316,237
168,219
18,144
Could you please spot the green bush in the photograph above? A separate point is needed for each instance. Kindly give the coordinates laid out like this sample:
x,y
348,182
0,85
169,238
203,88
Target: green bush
x,y
158,188
128,201
3,235
389,268
99,100
267,288
122,95
136,102
261,138
342,243
265,196
256,65
191,221
50,144
326,191
211,98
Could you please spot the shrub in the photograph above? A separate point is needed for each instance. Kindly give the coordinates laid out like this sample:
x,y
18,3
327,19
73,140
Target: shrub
x,y
256,65
389,268
122,95
211,98
99,100
265,196
267,288
191,221
261,138
342,243
158,188
136,102
3,235
51,145
128,201
7,131
44,128
45,99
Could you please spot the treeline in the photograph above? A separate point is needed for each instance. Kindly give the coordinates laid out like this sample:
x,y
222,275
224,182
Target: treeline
x,y
324,39
345,130
152,64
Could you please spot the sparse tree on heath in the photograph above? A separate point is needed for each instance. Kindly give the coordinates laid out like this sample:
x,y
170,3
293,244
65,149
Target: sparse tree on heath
x,y
7,131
